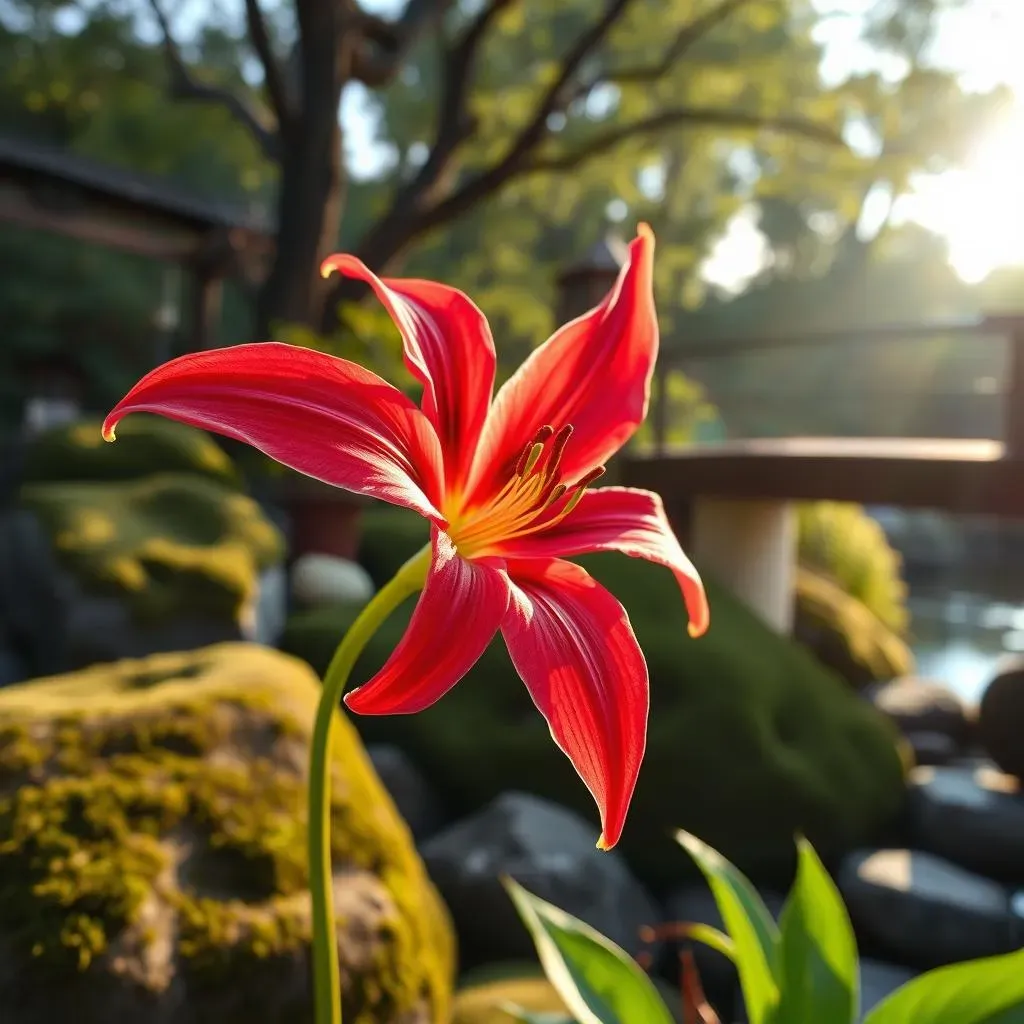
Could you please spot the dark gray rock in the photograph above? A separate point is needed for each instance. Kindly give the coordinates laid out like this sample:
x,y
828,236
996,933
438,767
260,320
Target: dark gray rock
x,y
920,705
695,904
552,853
925,911
415,798
12,668
971,816
879,980
933,748
1001,717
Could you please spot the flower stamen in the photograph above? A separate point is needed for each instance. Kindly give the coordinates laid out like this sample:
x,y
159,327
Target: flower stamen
x,y
531,501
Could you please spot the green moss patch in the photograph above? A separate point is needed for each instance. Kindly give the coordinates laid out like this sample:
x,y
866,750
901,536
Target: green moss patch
x,y
168,544
145,444
750,739
845,634
152,836
841,542
483,1003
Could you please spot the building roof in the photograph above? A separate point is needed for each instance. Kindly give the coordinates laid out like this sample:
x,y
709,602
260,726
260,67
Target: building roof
x,y
25,159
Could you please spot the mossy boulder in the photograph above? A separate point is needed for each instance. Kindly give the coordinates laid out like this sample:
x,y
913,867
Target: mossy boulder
x,y
152,852
145,444
167,544
851,600
844,634
840,541
122,550
750,741
93,572
480,1000
484,1003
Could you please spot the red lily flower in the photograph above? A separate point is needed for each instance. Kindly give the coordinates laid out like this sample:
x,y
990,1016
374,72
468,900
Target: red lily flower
x,y
503,484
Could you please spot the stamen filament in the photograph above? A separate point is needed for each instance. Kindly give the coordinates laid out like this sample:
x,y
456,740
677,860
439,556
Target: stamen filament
x,y
532,455
528,503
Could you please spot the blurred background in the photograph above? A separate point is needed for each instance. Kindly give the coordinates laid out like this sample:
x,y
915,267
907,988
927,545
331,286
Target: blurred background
x,y
837,429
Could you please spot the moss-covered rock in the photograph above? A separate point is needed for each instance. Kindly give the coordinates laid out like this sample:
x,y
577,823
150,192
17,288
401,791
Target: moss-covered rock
x,y
481,999
145,444
484,1003
168,544
844,634
841,542
750,738
152,852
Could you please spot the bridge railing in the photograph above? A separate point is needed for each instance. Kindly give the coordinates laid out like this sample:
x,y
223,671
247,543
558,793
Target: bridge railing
x,y
956,378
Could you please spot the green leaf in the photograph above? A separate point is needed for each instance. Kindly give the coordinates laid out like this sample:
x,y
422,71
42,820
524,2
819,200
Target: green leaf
x,y
749,924
818,970
599,982
989,991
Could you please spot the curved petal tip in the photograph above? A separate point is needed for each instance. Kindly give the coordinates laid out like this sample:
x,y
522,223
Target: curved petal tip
x,y
107,430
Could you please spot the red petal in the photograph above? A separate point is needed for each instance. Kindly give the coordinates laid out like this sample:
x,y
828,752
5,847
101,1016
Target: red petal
x,y
572,643
325,417
448,348
620,519
457,616
594,373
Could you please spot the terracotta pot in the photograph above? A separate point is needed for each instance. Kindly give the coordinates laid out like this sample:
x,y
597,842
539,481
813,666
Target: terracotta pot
x,y
325,520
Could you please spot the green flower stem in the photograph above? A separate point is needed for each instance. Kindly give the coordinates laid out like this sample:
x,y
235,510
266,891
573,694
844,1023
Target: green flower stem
x,y
326,976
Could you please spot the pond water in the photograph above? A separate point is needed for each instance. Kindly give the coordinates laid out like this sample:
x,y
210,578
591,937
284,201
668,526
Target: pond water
x,y
962,628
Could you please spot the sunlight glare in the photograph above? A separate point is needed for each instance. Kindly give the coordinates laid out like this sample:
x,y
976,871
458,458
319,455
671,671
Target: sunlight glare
x,y
978,208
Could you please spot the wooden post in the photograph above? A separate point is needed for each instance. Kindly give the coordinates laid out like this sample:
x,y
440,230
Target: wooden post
x,y
213,262
207,302
751,547
1013,415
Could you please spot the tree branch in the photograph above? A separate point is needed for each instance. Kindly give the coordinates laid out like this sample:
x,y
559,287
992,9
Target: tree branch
x,y
183,86
386,44
406,212
272,73
555,97
689,116
454,122
686,38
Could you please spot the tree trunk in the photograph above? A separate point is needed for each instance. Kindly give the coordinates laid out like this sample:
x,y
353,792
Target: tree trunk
x,y
311,191
309,207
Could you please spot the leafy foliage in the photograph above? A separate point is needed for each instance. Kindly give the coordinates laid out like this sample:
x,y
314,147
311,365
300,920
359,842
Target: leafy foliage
x,y
804,970
681,112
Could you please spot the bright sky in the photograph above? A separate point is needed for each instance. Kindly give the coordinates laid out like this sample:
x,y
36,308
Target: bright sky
x,y
979,209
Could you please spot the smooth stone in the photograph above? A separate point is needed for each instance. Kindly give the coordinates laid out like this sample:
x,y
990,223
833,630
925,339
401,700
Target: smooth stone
x,y
1001,717
971,816
552,853
925,911
921,705
932,748
412,793
318,579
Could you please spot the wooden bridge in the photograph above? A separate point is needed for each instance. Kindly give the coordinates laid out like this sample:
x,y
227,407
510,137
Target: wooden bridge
x,y
733,500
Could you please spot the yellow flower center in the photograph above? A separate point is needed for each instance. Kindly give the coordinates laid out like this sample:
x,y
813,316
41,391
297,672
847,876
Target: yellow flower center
x,y
533,500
